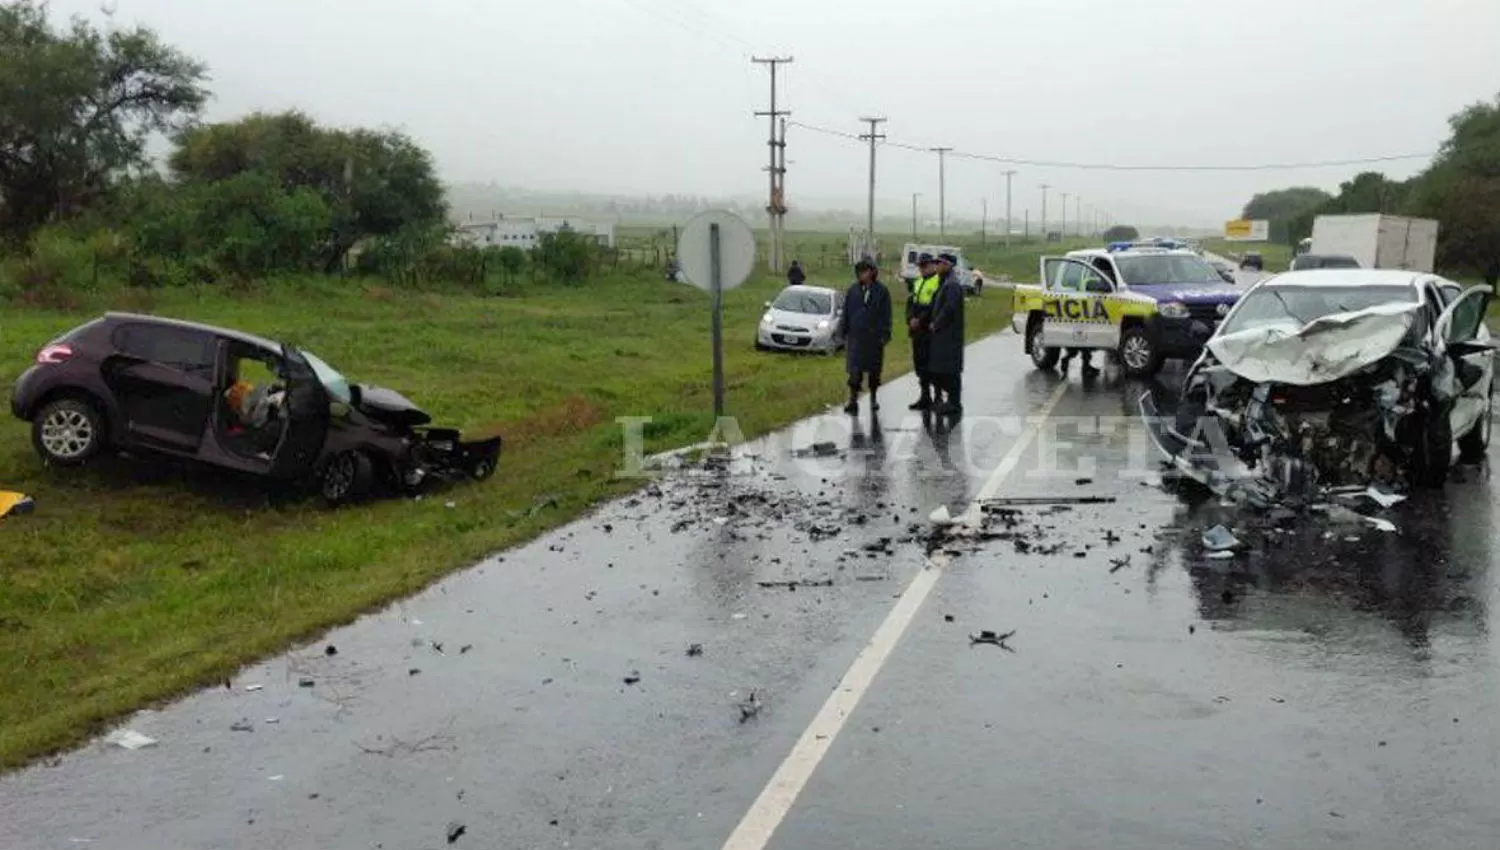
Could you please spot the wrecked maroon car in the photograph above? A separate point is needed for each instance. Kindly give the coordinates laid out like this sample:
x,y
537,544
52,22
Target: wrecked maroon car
x,y
145,384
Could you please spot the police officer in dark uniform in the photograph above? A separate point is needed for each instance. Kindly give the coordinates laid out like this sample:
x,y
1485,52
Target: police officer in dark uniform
x,y
918,323
945,353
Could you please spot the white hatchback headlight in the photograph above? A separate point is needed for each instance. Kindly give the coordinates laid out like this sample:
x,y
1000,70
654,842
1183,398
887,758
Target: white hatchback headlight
x,y
766,319
824,325
1174,310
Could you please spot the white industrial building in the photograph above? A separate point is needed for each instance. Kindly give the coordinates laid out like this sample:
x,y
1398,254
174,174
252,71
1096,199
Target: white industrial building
x,y
523,232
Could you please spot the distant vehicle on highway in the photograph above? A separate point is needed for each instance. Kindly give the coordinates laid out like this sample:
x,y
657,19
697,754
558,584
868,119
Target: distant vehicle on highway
x,y
968,277
146,384
1302,262
802,318
1253,260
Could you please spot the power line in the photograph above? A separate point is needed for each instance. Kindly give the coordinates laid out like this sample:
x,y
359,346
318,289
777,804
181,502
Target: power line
x,y
1038,163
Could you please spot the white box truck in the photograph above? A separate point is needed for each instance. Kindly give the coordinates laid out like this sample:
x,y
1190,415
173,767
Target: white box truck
x,y
1378,241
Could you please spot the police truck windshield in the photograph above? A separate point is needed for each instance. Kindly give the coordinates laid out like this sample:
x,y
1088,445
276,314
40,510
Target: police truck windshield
x,y
1166,268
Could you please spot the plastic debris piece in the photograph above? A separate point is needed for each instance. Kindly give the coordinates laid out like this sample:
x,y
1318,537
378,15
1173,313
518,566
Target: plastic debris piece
x,y
1381,524
241,726
331,650
1382,498
278,777
130,739
695,650
1222,554
456,831
254,687
941,516
992,638
305,682
1219,538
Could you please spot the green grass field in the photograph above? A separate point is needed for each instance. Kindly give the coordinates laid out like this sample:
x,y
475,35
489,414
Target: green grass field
x,y
136,581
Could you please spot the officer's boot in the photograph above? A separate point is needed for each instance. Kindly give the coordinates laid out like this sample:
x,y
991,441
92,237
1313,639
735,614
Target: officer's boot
x,y
1089,369
923,402
874,394
853,406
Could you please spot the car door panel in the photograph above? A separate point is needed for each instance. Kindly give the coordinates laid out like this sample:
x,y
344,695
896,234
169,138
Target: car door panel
x,y
164,389
1461,334
308,417
1072,317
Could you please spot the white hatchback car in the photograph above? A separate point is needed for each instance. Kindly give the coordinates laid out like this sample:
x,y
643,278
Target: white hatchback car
x,y
802,318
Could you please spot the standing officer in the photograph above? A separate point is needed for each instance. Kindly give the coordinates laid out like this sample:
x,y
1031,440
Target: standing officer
x,y
945,356
865,326
918,312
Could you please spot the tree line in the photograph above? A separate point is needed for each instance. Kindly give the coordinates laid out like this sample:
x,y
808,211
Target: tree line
x,y
1461,189
267,194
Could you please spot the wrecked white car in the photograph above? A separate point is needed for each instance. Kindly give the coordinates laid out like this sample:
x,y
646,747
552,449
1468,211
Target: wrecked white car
x,y
1325,379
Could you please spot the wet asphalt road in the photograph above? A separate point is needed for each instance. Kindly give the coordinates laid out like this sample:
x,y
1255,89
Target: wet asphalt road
x,y
1334,686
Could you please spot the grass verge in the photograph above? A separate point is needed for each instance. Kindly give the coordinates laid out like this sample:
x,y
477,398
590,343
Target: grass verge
x,y
138,581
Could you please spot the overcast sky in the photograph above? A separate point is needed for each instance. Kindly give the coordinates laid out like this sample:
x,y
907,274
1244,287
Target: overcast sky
x,y
655,96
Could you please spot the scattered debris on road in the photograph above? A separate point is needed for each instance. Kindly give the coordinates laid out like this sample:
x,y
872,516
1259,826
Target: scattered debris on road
x,y
992,638
823,449
634,677
241,726
330,650
1220,539
750,707
130,739
793,584
456,831
1117,564
695,650
306,682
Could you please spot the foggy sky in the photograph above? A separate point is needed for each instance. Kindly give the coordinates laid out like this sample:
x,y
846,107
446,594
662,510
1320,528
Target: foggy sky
x,y
656,96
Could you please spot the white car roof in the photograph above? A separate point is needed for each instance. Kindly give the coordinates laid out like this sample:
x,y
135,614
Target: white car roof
x,y
804,288
1323,278
1089,253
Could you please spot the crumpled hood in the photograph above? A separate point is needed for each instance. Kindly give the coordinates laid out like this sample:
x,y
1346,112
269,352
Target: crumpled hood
x,y
1190,293
387,405
1320,351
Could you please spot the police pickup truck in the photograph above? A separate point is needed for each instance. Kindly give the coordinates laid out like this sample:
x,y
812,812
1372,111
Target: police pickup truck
x,y
1146,304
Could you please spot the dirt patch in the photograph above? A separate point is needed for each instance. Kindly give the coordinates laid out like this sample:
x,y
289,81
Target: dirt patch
x,y
573,415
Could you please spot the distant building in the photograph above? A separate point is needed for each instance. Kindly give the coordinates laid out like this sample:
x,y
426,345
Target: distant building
x,y
523,232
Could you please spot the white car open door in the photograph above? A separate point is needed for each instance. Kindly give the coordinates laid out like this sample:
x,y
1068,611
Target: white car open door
x,y
1462,335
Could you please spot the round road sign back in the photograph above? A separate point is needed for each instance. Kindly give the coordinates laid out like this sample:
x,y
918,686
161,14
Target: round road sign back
x,y
736,250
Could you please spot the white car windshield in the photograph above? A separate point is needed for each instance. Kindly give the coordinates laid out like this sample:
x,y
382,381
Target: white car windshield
x,y
803,301
1298,305
336,384
1166,268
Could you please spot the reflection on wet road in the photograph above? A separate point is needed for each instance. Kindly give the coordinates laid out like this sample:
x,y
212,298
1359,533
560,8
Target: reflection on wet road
x,y
1330,686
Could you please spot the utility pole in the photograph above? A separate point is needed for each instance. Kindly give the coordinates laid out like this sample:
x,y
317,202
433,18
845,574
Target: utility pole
x,y
872,137
1008,226
914,197
776,204
1027,233
942,192
1078,213
1064,226
1045,187
984,217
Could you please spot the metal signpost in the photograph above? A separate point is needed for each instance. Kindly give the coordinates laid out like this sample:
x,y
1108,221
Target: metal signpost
x,y
716,252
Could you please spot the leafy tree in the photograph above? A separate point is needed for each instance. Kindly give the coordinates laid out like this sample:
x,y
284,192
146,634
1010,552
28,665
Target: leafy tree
x,y
246,225
566,255
375,183
77,107
1282,206
1368,192
1121,233
1462,191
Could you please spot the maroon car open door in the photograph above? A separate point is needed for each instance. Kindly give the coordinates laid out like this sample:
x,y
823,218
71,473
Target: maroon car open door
x,y
308,409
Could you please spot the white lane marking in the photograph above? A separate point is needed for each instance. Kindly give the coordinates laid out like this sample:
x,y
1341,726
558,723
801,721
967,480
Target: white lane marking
x,y
770,808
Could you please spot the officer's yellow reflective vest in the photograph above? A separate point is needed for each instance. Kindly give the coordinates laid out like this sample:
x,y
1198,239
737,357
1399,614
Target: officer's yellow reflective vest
x,y
925,290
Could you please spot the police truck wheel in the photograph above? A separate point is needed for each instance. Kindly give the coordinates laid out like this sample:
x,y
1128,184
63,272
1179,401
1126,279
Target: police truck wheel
x,y
1138,353
1042,358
